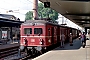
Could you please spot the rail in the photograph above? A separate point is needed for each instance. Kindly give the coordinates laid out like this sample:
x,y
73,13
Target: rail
x,y
8,51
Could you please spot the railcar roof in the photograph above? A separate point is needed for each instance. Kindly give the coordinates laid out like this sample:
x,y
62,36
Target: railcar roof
x,y
42,22
39,21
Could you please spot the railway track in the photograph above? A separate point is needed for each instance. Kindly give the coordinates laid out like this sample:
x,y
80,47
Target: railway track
x,y
26,57
36,55
8,51
13,54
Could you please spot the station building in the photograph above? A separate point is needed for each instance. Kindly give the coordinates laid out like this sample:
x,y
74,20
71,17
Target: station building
x,y
9,27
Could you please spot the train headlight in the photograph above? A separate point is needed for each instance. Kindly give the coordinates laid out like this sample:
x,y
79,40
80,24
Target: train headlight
x,y
25,41
49,41
41,41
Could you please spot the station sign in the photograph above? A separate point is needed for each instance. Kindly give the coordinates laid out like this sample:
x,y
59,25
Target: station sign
x,y
4,34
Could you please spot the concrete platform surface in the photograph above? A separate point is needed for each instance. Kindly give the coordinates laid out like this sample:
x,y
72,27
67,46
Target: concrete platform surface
x,y
75,52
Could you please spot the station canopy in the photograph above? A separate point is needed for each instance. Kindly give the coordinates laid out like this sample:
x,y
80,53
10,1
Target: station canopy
x,y
77,11
7,20
9,23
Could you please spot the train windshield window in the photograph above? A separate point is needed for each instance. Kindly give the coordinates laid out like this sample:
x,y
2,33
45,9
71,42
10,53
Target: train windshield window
x,y
38,31
28,31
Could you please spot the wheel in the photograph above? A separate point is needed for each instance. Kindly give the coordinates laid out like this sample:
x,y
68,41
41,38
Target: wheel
x,y
26,51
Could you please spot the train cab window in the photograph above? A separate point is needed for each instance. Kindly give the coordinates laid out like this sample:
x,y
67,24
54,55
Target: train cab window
x,y
27,30
38,31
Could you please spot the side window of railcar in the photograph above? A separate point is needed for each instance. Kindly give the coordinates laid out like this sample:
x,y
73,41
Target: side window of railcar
x,y
49,31
27,30
38,30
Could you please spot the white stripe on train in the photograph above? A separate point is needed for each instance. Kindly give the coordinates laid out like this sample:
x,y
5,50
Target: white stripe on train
x,y
37,36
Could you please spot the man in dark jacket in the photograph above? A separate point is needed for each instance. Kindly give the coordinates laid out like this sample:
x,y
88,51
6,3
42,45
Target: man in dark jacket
x,y
84,38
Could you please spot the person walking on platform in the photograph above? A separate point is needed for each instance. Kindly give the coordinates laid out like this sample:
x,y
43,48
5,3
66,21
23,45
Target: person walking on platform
x,y
71,41
62,40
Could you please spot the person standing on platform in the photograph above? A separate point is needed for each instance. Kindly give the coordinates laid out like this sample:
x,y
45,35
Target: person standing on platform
x,y
83,39
71,41
62,40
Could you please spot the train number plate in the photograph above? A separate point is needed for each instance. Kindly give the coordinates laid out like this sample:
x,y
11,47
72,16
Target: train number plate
x,y
32,40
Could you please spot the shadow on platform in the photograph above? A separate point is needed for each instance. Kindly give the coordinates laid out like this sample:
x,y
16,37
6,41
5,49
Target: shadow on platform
x,y
76,45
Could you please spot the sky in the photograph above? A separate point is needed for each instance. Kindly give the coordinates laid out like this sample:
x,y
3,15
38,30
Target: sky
x,y
63,20
20,7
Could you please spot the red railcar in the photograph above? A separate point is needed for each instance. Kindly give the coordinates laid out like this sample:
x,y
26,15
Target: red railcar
x,y
39,34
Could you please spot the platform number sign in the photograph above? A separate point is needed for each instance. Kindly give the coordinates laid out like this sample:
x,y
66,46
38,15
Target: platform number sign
x,y
47,4
4,34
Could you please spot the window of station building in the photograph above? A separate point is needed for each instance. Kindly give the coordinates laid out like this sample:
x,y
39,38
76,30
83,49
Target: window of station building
x,y
27,30
38,31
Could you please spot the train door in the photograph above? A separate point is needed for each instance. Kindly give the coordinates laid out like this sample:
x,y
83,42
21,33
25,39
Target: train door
x,y
70,30
68,34
66,31
58,34
52,39
77,33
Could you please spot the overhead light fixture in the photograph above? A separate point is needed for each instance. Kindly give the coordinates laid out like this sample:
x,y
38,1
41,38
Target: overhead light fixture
x,y
88,17
47,4
82,21
88,21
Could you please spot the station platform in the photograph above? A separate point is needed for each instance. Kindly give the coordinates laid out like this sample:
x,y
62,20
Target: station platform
x,y
75,52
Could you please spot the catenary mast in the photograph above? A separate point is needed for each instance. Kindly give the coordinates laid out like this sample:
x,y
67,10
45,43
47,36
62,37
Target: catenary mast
x,y
35,9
